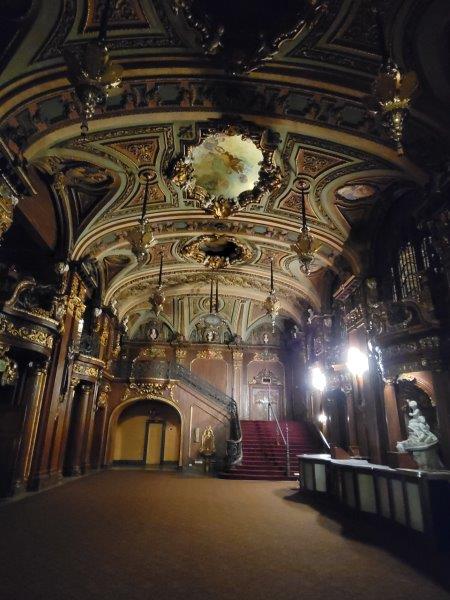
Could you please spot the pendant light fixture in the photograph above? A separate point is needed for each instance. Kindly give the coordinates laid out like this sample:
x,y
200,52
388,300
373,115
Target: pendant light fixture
x,y
141,238
158,298
272,304
303,246
392,91
91,71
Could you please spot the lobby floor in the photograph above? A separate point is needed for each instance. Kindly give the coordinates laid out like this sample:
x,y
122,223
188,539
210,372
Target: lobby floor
x,y
128,534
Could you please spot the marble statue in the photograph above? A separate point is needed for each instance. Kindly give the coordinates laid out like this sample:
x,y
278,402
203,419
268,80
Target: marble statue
x,y
421,441
208,447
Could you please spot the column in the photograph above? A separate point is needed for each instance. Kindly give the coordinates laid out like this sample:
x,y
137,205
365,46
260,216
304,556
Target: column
x,y
69,399
391,412
79,430
89,430
32,396
238,357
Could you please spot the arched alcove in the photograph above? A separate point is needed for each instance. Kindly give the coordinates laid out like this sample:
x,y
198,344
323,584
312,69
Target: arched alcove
x,y
146,432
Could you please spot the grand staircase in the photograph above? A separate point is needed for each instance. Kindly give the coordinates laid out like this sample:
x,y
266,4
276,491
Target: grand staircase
x,y
264,451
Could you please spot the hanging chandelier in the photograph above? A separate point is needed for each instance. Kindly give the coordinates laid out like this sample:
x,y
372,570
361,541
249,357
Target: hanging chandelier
x,y
303,246
392,92
141,238
158,298
91,71
271,303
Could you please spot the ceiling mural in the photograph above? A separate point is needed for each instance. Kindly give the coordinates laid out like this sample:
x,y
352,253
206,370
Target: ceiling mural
x,y
303,139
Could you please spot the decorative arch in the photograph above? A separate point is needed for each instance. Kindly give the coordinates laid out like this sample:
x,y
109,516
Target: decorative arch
x,y
118,410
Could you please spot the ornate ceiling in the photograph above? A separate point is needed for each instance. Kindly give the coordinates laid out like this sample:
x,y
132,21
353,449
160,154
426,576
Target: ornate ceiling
x,y
311,94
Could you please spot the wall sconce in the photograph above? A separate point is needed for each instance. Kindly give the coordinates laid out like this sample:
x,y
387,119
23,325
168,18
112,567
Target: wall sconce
x,y
322,418
318,379
357,361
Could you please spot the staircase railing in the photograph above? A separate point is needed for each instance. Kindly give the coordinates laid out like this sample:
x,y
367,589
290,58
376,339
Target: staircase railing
x,y
285,439
234,444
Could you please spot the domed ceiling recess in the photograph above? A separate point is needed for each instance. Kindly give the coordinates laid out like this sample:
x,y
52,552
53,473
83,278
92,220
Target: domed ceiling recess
x,y
218,101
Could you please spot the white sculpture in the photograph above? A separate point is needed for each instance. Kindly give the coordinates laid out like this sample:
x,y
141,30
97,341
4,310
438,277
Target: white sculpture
x,y
421,441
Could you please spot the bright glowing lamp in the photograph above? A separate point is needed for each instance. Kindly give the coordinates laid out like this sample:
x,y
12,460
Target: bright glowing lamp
x,y
318,379
322,418
357,361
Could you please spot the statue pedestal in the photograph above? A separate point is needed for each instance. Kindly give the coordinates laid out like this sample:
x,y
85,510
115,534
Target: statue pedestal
x,y
427,459
426,456
208,462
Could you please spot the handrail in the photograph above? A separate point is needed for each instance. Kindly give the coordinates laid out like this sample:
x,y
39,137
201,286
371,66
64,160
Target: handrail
x,y
176,370
234,444
324,439
285,439
269,404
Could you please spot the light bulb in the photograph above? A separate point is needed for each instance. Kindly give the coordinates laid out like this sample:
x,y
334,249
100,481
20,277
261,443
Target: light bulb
x,y
318,379
357,361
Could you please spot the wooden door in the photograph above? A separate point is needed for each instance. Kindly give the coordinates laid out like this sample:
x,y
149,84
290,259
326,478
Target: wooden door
x,y
154,443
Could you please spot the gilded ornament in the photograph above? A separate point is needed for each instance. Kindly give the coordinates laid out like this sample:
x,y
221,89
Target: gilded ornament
x,y
208,445
152,353
29,334
102,400
82,369
149,389
217,251
210,354
7,203
265,356
9,370
229,169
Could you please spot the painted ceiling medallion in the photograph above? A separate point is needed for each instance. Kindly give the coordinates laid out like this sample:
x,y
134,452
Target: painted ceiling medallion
x,y
357,191
217,251
228,170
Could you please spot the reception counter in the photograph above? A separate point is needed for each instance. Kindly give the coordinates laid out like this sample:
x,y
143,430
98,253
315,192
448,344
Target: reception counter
x,y
418,500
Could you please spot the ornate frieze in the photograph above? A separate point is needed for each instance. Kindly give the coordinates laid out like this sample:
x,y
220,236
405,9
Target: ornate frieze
x,y
152,352
265,356
149,389
36,335
81,369
210,353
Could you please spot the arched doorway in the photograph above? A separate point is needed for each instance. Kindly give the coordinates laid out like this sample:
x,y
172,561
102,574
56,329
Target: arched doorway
x,y
148,433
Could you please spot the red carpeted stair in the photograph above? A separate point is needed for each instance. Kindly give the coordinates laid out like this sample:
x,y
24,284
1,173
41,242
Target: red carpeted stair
x,y
264,452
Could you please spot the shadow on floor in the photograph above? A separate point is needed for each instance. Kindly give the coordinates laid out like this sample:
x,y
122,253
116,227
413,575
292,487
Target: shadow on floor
x,y
404,544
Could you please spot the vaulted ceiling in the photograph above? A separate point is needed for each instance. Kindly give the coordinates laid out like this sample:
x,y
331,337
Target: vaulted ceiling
x,y
311,93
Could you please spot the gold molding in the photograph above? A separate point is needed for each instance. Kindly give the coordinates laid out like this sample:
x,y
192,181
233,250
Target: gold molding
x,y
151,353
7,204
193,250
210,354
265,357
149,389
28,334
82,369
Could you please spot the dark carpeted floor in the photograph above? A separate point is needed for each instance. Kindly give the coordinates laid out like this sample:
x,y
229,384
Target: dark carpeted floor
x,y
144,535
